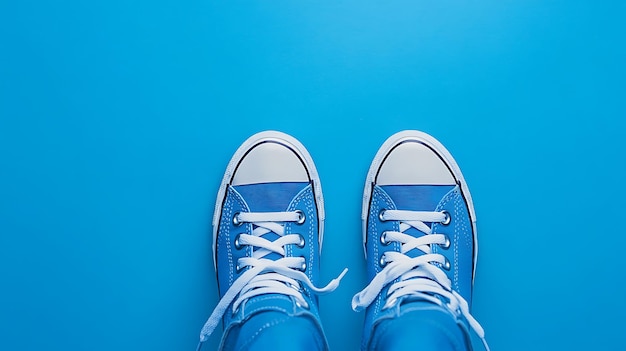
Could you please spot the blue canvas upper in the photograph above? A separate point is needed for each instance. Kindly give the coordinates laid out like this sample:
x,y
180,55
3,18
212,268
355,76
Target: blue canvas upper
x,y
460,252
267,198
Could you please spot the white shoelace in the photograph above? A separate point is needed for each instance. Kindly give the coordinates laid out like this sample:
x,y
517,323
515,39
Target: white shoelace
x,y
265,276
421,276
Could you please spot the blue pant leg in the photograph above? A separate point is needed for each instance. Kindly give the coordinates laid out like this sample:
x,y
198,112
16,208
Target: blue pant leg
x,y
276,331
420,330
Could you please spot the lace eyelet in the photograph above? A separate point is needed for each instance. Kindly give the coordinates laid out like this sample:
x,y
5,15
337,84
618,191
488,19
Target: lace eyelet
x,y
446,244
446,265
237,244
301,243
382,262
383,239
447,218
303,266
381,213
239,268
301,217
236,221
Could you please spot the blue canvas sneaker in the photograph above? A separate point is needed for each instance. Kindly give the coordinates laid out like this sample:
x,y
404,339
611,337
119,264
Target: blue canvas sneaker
x,y
267,236
419,235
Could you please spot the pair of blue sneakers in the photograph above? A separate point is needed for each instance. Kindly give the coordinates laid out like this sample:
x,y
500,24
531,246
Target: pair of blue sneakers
x,y
419,235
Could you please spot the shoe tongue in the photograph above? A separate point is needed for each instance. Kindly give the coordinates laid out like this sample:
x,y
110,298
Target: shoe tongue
x,y
269,302
270,197
417,303
416,198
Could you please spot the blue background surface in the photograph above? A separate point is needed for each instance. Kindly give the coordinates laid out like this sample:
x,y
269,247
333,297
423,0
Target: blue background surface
x,y
117,119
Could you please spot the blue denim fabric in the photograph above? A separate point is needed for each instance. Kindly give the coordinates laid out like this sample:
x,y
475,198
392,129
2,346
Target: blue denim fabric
x,y
421,326
275,331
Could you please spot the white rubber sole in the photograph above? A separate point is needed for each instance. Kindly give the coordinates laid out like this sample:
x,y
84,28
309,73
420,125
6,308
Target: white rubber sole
x,y
442,152
262,137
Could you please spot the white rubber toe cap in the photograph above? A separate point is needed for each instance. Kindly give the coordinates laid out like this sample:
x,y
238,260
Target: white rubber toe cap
x,y
413,163
270,162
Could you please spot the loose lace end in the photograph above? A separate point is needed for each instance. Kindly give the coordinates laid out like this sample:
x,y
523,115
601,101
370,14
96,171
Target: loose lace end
x,y
333,284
